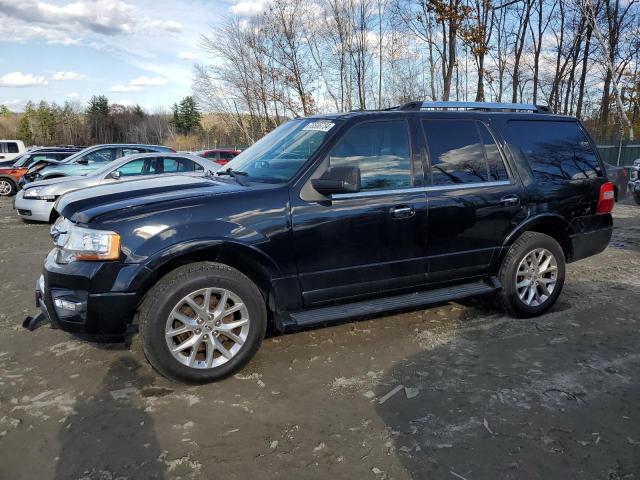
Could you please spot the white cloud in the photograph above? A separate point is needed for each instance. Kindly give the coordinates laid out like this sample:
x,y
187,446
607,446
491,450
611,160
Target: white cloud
x,y
136,84
13,103
68,76
125,88
19,79
72,95
186,55
148,81
168,25
107,17
247,8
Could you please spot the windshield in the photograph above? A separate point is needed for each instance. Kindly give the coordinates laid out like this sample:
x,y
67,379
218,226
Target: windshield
x,y
278,156
22,160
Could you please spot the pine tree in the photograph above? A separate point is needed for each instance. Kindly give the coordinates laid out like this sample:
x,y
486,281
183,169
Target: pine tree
x,y
24,130
186,117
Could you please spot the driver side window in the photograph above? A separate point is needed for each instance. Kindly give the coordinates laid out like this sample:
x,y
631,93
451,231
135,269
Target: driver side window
x,y
101,156
142,166
381,151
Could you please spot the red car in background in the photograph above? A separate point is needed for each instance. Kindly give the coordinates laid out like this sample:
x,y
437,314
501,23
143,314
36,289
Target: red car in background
x,y
221,156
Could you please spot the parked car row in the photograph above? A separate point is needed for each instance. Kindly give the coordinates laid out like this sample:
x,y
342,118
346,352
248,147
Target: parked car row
x,y
325,218
35,202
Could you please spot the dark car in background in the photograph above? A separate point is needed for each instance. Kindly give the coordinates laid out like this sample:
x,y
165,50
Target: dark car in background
x,y
620,178
328,218
11,175
88,160
57,154
221,156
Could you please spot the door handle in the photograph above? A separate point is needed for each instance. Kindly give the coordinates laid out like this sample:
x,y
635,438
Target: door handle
x,y
510,200
403,211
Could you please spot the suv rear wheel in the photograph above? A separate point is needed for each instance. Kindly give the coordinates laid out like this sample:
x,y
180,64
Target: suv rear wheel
x,y
532,275
202,322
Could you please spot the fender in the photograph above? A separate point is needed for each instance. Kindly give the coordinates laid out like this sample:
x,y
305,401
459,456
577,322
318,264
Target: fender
x,y
532,222
146,274
546,220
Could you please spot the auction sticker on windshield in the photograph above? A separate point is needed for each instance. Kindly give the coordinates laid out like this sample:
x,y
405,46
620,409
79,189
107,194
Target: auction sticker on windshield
x,y
321,126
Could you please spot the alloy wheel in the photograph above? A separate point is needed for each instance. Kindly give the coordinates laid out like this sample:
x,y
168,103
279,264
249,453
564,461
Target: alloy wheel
x,y
5,188
207,328
536,277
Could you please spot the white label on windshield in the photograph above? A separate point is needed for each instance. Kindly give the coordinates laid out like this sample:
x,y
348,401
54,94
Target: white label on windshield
x,y
321,126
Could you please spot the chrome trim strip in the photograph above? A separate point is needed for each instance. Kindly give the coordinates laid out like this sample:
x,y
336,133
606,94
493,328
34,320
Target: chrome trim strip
x,y
437,188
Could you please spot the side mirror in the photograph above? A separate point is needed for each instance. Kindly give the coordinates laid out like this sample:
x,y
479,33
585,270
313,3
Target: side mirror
x,y
83,161
115,175
338,180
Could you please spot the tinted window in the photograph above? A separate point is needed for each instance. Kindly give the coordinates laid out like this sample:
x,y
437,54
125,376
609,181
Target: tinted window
x,y
380,150
457,152
12,147
141,166
99,156
227,155
179,165
497,170
555,150
132,151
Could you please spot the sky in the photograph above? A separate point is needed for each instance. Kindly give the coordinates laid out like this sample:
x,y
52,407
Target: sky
x,y
134,51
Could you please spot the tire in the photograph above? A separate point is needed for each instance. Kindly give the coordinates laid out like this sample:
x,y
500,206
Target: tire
x,y
164,300
516,269
636,197
8,187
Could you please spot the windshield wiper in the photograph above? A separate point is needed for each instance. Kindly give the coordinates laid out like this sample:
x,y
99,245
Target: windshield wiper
x,y
235,174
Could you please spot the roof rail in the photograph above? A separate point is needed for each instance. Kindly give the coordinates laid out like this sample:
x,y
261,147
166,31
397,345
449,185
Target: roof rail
x,y
485,106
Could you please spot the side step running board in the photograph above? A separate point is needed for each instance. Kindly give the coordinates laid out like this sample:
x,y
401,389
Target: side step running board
x,y
398,302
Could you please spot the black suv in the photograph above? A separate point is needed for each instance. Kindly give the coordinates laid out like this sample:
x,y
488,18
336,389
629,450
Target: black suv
x,y
327,218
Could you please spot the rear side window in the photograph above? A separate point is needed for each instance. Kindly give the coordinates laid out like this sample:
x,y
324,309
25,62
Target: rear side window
x,y
180,165
380,150
12,147
462,151
555,150
227,155
100,156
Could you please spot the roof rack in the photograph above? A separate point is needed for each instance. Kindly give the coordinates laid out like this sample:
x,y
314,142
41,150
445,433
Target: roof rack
x,y
484,106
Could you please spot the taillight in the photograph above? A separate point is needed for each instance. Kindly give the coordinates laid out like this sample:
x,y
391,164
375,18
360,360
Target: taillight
x,y
606,199
222,161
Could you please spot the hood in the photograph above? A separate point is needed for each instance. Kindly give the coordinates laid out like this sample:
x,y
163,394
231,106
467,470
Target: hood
x,y
84,205
70,169
60,185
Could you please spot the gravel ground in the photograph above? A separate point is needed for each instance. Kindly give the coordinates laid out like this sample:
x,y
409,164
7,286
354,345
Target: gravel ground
x,y
457,391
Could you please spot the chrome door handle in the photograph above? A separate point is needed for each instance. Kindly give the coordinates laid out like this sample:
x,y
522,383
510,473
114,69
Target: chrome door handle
x,y
510,200
403,211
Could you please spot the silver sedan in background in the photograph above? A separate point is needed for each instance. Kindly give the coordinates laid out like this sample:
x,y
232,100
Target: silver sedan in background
x,y
36,201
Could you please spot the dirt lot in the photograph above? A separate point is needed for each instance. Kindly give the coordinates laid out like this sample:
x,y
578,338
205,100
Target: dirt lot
x,y
483,396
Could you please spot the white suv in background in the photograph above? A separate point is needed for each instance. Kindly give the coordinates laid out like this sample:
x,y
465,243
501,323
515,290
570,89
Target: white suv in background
x,y
10,149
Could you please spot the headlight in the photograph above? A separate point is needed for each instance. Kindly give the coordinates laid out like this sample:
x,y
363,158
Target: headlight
x,y
36,194
78,243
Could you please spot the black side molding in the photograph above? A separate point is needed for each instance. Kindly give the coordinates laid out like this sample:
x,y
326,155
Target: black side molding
x,y
334,313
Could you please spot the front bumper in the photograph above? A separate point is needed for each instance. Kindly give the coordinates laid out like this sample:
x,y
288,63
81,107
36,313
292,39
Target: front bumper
x,y
34,210
73,297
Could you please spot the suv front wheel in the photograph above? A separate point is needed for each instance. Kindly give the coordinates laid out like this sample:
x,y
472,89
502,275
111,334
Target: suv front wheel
x,y
202,322
532,275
